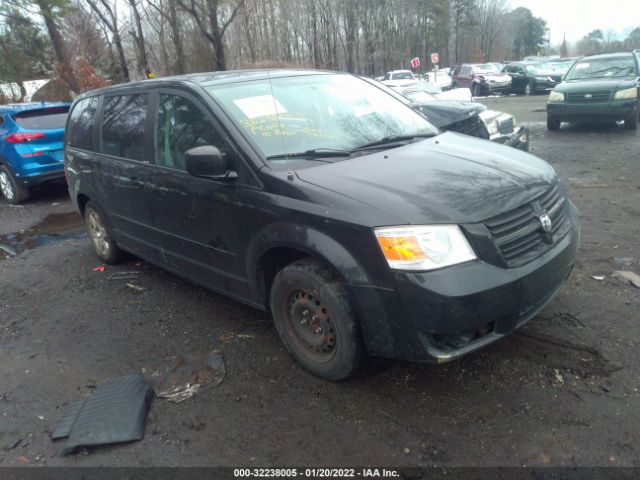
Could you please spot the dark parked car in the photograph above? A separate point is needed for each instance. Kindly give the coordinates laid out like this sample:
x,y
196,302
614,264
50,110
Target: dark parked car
x,y
598,88
481,78
322,199
530,78
30,147
469,118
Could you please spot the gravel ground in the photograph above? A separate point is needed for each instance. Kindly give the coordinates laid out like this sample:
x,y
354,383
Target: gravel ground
x,y
561,391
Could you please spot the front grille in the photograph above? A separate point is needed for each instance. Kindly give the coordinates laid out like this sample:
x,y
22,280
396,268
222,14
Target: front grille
x,y
473,126
518,234
584,97
506,125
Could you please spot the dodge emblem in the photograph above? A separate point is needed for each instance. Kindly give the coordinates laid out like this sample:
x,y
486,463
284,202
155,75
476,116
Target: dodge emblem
x,y
545,221
588,96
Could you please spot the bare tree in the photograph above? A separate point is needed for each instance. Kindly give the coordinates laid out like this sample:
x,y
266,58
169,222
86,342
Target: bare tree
x,y
108,14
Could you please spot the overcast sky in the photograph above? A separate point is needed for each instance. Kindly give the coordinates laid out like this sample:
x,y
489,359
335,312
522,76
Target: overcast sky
x,y
579,17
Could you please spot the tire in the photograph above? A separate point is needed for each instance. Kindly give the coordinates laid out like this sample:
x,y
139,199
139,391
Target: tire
x,y
10,188
631,123
99,233
316,320
553,124
529,89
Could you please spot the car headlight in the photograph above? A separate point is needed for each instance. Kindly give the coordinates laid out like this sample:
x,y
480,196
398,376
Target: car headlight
x,y
542,79
426,247
556,96
626,93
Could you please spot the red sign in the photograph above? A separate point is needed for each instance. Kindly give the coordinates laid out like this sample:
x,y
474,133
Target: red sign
x,y
435,58
415,62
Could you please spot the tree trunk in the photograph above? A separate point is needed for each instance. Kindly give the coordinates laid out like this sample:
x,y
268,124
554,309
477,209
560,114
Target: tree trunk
x,y
139,39
59,47
176,37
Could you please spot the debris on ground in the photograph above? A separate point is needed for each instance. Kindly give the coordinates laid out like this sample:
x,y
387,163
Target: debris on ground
x,y
9,437
115,412
559,376
135,287
235,336
628,277
8,250
124,275
189,375
598,277
101,268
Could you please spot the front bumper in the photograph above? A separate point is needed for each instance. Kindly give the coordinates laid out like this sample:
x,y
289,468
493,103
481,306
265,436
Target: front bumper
x,y
587,111
519,138
444,314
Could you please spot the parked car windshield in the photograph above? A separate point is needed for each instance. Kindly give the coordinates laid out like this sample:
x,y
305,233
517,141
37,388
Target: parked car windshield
x,y
486,68
611,67
541,69
417,95
317,112
402,75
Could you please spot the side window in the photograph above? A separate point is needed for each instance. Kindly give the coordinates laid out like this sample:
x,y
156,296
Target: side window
x,y
181,125
124,124
81,120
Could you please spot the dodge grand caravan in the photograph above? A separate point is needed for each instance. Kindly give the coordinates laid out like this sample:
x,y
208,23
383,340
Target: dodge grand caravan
x,y
318,197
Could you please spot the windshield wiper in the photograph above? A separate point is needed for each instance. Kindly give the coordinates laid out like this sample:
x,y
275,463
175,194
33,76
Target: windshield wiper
x,y
315,153
392,139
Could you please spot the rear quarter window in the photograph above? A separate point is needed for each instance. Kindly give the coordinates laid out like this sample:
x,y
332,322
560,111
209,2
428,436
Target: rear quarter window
x,y
43,119
81,121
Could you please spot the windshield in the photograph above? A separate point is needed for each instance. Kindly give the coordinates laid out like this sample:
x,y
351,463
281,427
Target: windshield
x,y
486,68
561,67
317,112
402,76
542,69
612,67
418,96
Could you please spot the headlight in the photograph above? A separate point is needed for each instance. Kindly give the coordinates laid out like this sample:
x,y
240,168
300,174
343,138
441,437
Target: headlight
x,y
556,96
490,120
627,93
542,79
423,247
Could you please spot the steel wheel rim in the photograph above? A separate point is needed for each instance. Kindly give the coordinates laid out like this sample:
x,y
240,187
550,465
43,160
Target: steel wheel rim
x,y
311,326
5,186
98,233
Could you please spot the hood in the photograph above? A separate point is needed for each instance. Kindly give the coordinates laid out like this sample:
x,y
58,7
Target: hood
x,y
596,85
447,112
449,178
495,76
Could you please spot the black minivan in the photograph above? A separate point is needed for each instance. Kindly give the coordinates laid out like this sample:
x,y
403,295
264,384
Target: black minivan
x,y
322,199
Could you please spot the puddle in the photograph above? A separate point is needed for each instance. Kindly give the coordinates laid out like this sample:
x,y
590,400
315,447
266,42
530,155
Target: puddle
x,y
54,227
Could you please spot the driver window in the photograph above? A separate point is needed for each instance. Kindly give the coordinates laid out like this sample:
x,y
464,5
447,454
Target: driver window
x,y
181,125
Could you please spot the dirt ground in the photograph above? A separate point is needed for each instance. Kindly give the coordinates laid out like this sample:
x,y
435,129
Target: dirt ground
x,y
561,391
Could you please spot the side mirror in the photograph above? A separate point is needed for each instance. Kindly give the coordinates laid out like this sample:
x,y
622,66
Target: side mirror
x,y
208,162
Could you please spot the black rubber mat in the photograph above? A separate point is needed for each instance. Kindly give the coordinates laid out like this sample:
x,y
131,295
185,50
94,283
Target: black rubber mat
x,y
116,412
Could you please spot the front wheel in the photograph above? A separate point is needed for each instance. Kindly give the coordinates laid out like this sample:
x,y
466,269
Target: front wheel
x,y
316,320
100,235
528,89
10,188
631,122
553,124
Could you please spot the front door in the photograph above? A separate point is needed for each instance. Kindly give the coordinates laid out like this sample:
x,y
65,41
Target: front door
x,y
195,218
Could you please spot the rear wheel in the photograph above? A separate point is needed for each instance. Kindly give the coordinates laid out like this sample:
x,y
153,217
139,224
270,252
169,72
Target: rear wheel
x,y
631,122
553,124
10,188
316,319
100,235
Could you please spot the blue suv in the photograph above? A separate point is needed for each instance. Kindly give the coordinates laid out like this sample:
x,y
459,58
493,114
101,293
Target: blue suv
x,y
31,139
